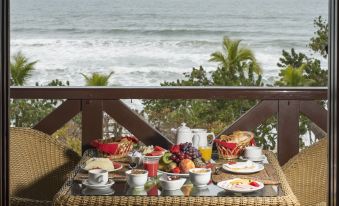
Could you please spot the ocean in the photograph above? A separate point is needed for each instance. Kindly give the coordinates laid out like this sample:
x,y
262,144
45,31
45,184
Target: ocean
x,y
146,42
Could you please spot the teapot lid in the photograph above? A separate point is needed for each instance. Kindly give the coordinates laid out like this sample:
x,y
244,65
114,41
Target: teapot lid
x,y
184,128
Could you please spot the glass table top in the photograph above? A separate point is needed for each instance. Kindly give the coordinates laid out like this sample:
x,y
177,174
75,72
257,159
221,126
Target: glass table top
x,y
152,188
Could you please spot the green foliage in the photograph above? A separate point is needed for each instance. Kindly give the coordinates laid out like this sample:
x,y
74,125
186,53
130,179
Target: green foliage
x,y
312,73
97,79
70,135
291,76
27,113
319,42
235,59
21,69
291,59
266,134
299,70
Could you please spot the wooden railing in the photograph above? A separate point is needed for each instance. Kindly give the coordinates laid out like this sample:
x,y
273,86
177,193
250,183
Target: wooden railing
x,y
286,103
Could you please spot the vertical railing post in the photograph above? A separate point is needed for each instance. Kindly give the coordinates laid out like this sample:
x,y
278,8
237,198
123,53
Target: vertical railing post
x,y
92,121
288,130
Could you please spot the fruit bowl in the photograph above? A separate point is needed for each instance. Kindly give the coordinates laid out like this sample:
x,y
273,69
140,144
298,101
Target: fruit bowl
x,y
180,159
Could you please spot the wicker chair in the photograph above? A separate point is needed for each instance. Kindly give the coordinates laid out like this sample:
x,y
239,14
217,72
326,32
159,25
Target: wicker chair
x,y
306,173
38,166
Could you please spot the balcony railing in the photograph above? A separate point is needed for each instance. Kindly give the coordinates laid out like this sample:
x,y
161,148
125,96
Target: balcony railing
x,y
287,103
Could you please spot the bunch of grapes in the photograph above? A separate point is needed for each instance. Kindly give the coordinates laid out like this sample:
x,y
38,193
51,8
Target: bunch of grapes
x,y
187,151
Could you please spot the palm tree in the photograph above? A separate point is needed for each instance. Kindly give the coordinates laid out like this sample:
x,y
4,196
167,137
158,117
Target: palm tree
x,y
235,58
97,79
291,76
21,69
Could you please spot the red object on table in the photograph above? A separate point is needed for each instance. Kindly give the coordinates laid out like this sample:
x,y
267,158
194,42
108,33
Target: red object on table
x,y
110,148
176,170
113,148
152,168
255,184
153,191
155,153
231,145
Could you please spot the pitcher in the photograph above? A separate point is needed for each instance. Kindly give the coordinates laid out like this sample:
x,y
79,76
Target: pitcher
x,y
200,138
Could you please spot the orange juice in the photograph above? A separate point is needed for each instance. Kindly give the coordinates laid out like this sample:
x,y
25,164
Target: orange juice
x,y
206,152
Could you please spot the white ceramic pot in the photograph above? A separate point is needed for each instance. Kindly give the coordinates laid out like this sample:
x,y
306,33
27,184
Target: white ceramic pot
x,y
200,177
136,180
253,153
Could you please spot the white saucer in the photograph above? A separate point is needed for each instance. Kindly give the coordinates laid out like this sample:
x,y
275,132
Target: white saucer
x,y
88,191
254,169
260,159
97,186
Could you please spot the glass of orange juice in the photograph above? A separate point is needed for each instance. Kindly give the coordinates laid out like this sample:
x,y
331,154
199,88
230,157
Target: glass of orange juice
x,y
206,152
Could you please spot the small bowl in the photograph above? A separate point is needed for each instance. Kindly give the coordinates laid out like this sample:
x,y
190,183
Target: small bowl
x,y
171,184
136,180
200,177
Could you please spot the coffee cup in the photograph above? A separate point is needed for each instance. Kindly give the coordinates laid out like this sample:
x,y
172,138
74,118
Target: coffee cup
x,y
97,176
253,153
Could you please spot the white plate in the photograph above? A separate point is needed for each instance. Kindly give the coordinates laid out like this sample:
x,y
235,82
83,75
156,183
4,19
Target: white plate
x,y
227,186
98,187
256,168
88,191
260,159
112,170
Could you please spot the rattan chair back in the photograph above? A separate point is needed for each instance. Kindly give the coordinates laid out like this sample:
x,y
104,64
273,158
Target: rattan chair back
x,y
38,164
306,173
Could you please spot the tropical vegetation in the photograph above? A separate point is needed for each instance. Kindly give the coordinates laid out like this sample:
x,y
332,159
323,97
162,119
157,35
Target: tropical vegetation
x,y
97,79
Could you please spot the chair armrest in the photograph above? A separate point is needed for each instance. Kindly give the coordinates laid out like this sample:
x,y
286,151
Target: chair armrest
x,y
19,201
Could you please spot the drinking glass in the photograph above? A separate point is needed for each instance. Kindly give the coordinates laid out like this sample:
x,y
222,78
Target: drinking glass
x,y
151,164
206,152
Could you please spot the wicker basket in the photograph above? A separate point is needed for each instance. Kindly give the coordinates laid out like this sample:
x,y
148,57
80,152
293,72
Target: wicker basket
x,y
114,149
237,141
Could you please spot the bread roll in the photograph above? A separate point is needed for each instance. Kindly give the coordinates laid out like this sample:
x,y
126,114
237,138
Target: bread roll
x,y
101,163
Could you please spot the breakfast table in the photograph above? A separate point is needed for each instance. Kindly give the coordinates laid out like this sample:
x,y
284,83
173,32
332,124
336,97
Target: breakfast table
x,y
276,190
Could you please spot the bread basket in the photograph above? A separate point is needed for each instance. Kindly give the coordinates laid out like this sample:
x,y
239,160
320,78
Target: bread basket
x,y
113,148
232,146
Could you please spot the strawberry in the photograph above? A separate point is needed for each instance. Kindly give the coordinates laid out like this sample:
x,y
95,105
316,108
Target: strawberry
x,y
158,148
232,163
255,184
175,149
176,170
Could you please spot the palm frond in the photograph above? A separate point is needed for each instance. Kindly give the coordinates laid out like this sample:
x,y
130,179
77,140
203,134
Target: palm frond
x,y
97,79
21,69
219,58
233,50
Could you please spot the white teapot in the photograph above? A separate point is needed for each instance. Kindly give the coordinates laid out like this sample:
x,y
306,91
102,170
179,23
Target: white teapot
x,y
183,134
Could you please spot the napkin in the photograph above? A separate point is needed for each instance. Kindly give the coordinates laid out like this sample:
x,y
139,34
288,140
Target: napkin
x,y
228,145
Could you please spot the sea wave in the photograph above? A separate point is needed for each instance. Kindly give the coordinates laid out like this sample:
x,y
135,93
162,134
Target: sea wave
x,y
158,32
